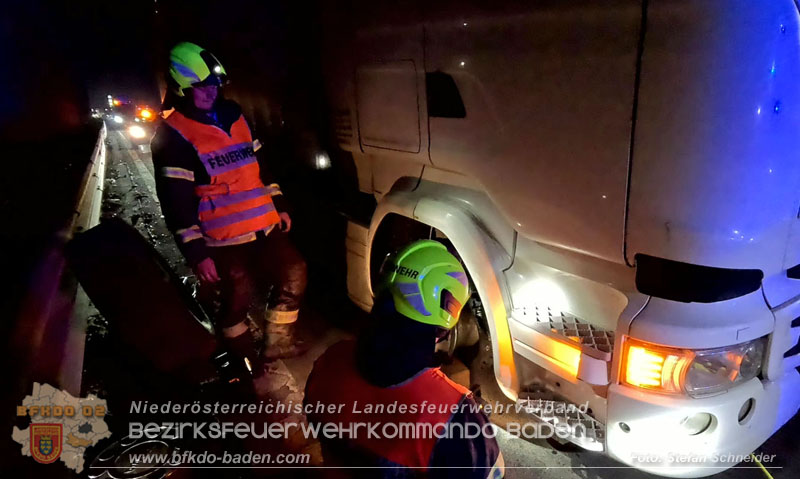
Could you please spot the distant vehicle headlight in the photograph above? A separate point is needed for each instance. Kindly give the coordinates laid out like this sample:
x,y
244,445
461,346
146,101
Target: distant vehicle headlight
x,y
118,119
322,161
136,131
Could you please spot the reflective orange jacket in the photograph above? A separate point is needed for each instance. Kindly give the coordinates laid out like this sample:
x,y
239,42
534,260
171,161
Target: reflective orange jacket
x,y
337,394
235,203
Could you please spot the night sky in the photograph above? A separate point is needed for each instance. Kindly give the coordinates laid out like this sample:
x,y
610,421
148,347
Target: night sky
x,y
62,58
122,36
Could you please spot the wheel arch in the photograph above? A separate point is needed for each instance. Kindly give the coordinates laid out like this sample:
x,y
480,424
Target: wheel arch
x,y
453,213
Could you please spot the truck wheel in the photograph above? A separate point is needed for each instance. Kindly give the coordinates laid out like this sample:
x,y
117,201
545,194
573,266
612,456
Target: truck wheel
x,y
396,231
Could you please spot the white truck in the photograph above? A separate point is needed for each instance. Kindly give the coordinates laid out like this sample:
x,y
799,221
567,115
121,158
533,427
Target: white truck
x,y
621,179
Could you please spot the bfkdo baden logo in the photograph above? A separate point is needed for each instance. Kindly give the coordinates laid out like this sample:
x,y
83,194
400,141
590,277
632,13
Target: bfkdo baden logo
x,y
60,427
46,440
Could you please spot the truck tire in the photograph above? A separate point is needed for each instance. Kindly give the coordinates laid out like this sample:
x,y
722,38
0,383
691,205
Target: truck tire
x,y
146,307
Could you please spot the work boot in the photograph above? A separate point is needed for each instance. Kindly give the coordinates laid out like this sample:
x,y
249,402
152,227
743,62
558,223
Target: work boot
x,y
239,340
281,339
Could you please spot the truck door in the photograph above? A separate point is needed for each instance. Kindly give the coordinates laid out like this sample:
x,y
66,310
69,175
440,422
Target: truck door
x,y
390,85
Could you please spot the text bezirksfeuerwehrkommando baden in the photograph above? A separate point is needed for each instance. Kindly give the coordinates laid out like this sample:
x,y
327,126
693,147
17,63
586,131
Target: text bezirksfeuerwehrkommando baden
x,y
394,420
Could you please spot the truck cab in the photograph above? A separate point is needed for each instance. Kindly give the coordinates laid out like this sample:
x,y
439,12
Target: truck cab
x,y
621,181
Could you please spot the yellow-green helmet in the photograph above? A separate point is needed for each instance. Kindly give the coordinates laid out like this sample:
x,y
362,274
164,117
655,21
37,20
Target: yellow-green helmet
x,y
191,65
427,283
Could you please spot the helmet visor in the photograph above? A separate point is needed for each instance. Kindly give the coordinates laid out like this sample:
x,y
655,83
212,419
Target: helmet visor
x,y
217,75
212,80
450,304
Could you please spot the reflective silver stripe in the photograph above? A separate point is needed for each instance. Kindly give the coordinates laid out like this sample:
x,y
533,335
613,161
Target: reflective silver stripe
x,y
245,238
235,330
179,173
213,202
274,190
238,217
189,234
281,317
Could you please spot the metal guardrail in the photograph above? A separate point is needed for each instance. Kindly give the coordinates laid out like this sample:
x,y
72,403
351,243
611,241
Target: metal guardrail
x,y
49,337
88,203
90,194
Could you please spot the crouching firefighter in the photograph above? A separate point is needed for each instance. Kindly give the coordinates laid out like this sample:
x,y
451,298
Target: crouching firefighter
x,y
429,426
229,224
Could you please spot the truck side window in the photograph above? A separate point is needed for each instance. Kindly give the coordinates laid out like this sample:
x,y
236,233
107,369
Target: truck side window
x,y
387,98
444,100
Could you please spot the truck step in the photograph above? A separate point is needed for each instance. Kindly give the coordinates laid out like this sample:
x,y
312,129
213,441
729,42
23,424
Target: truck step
x,y
563,344
569,422
595,342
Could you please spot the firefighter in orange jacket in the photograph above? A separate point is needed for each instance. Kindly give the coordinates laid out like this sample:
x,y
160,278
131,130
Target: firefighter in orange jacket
x,y
229,224
424,424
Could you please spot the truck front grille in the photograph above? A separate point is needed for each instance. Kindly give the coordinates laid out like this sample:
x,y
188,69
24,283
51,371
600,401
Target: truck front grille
x,y
793,354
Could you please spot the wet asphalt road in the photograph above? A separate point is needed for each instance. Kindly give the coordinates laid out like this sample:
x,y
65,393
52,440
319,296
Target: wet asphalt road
x,y
130,195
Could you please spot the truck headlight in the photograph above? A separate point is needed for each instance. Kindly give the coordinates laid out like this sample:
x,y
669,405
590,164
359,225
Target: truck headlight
x,y
697,373
654,367
714,371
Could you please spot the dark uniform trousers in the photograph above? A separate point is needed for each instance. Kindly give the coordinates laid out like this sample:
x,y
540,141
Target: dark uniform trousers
x,y
271,259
